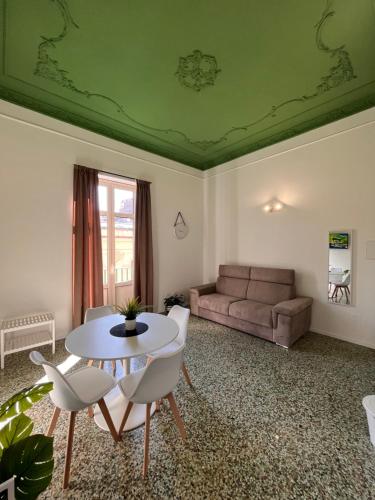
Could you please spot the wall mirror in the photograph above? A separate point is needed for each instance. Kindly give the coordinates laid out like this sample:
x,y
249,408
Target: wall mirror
x,y
340,289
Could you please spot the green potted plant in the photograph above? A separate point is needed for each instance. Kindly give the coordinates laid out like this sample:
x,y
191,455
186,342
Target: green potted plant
x,y
131,309
173,300
26,458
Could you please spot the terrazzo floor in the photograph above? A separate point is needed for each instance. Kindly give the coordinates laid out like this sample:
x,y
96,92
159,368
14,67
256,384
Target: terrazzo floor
x,y
262,422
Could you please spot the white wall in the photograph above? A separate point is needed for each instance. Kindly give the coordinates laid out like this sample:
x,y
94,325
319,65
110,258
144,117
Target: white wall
x,y
36,180
326,178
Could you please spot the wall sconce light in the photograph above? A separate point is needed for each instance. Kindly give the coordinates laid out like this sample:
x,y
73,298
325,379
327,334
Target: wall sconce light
x,y
273,206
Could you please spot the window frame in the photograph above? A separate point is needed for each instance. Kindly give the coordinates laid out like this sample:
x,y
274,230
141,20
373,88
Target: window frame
x,y
112,183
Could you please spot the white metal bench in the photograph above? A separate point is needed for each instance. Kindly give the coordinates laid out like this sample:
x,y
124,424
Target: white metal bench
x,y
41,328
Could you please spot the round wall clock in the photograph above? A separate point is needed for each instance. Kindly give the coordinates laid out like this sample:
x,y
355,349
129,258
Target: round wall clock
x,y
181,230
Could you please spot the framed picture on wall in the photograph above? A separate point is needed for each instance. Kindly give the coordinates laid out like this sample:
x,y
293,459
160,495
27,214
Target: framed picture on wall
x,y
339,240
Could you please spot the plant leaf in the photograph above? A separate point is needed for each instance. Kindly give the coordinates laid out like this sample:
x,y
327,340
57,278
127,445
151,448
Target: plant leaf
x,y
23,400
31,461
16,429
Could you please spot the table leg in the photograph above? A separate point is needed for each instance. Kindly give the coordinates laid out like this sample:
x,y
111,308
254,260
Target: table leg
x,y
126,366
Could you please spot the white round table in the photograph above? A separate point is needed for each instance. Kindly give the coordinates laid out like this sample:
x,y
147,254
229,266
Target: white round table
x,y
94,341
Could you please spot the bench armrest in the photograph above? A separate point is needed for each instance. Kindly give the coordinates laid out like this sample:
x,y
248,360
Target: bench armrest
x,y
293,307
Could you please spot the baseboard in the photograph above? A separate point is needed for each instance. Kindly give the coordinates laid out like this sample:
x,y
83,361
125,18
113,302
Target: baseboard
x,y
345,339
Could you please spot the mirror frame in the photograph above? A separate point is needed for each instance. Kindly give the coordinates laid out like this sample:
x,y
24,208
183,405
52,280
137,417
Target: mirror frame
x,y
351,244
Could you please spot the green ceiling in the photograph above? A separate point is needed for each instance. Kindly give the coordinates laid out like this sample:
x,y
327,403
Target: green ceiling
x,y
198,81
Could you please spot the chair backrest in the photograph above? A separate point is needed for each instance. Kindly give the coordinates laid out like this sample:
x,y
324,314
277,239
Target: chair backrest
x,y
97,312
181,316
62,395
346,279
160,377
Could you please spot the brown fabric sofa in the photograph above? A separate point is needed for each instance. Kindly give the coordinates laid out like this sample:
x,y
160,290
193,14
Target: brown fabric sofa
x,y
257,300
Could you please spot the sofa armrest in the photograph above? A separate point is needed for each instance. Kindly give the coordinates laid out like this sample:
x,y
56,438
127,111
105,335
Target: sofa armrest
x,y
292,307
291,320
204,289
196,292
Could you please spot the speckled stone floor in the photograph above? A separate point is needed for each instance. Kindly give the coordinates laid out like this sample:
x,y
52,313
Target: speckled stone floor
x,y
262,422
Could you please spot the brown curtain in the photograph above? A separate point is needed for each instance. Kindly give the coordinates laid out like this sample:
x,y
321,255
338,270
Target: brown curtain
x,y
87,243
143,258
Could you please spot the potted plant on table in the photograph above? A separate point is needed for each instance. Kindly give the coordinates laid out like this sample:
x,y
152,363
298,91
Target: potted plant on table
x,y
131,309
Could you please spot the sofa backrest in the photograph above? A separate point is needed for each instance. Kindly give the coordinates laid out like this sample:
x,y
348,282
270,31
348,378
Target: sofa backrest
x,y
271,286
233,280
261,284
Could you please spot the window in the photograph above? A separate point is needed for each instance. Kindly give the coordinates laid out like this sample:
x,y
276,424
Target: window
x,y
117,209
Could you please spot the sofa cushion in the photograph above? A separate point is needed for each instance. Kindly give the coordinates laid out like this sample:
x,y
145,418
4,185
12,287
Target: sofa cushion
x,y
269,293
235,287
242,272
272,275
216,302
254,312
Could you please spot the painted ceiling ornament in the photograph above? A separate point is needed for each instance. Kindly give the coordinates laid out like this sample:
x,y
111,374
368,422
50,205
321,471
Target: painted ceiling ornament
x,y
197,71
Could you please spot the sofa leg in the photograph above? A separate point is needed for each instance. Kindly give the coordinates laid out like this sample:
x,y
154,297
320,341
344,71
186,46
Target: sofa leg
x,y
284,346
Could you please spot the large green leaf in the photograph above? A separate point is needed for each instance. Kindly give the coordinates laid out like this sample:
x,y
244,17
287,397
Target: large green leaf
x,y
24,400
31,461
16,429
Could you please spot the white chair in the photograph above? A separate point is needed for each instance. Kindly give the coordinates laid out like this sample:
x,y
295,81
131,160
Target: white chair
x,y
74,392
344,287
152,383
96,313
181,316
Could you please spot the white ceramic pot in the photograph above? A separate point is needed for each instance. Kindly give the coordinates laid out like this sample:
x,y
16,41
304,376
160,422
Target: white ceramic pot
x,y
130,324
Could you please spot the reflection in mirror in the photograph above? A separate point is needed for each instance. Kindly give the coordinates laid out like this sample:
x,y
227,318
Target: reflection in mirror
x,y
340,267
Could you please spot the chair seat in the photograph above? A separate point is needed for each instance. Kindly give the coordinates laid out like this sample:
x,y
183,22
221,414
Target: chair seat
x,y
91,384
129,383
168,349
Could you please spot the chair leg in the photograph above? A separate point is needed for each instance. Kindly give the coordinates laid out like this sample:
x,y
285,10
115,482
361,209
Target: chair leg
x,y
90,362
113,367
147,440
157,405
69,448
53,422
101,364
90,411
125,418
186,374
176,414
108,419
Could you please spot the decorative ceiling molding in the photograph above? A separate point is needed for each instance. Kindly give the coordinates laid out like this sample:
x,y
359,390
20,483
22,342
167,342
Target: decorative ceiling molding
x,y
33,119
343,126
191,75
197,71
